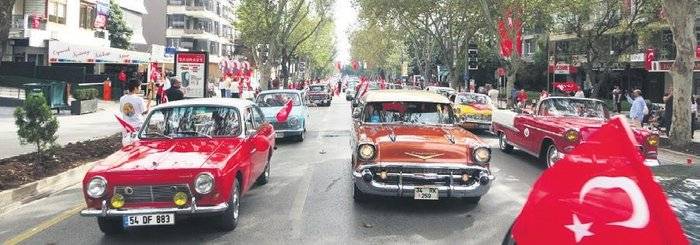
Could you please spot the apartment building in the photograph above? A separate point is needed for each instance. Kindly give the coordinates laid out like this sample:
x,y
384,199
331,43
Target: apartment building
x,y
201,25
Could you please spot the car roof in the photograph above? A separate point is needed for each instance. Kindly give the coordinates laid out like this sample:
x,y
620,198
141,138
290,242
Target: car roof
x,y
281,91
470,93
217,102
402,95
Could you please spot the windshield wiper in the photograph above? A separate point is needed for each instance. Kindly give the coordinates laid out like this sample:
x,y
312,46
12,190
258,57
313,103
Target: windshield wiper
x,y
197,133
157,134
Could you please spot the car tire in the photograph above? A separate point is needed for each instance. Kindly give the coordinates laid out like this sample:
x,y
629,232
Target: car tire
x,y
229,218
110,225
503,143
358,195
265,176
302,136
472,200
548,158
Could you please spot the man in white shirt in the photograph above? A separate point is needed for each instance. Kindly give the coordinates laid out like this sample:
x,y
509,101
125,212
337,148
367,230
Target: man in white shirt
x,y
132,106
493,93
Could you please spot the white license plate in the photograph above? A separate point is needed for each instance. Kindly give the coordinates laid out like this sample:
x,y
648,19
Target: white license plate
x,y
149,219
279,135
426,193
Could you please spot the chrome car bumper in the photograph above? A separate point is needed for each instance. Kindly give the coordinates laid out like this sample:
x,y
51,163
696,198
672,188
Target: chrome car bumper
x,y
193,209
367,182
476,124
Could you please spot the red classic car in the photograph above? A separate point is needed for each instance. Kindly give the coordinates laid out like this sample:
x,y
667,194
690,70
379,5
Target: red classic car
x,y
406,143
557,125
191,157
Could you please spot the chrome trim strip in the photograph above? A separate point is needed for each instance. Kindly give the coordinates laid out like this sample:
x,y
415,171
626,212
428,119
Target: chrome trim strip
x,y
421,165
106,212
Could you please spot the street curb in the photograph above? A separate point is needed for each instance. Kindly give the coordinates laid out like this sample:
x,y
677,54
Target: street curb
x,y
678,153
12,198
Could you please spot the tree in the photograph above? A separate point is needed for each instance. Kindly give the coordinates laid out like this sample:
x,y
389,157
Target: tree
x,y
36,125
380,48
597,23
5,23
119,31
681,17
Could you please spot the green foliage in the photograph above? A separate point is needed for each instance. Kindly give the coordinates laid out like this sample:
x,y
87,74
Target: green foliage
x,y
119,31
85,94
36,124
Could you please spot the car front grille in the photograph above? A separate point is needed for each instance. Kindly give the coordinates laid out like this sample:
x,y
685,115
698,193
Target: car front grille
x,y
417,176
151,193
281,126
318,97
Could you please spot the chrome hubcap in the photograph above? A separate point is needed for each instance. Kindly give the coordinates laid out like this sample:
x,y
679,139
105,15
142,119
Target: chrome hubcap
x,y
236,203
552,156
502,141
267,170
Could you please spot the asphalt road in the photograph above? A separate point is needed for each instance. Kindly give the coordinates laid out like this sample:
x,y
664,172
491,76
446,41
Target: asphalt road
x,y
308,200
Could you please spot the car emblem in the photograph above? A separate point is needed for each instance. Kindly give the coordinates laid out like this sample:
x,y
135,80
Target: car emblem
x,y
526,132
128,190
423,156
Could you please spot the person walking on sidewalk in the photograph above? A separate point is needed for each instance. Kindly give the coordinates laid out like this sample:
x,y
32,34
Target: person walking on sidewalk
x,y
638,107
617,97
132,106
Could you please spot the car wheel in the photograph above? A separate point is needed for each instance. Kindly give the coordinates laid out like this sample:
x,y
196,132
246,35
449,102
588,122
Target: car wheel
x,y
110,225
552,155
229,219
302,136
503,143
358,195
265,176
472,200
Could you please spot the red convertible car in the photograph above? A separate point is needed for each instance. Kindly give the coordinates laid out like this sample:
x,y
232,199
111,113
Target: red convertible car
x,y
557,125
191,157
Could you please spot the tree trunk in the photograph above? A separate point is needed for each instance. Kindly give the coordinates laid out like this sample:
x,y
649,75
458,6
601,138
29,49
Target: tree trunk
x,y
5,24
681,17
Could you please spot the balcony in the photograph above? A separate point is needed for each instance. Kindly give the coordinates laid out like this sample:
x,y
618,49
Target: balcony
x,y
21,26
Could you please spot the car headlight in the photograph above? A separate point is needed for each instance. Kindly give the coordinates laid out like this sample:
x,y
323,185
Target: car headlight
x,y
482,155
204,183
96,187
366,151
293,121
653,140
571,135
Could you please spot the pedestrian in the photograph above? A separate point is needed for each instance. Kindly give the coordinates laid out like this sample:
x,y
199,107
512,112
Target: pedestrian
x,y
579,94
175,92
521,98
639,107
616,97
668,112
160,91
694,116
122,79
544,94
132,106
493,93
222,88
235,88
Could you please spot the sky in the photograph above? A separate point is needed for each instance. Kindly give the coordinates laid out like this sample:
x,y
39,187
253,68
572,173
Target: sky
x,y
345,16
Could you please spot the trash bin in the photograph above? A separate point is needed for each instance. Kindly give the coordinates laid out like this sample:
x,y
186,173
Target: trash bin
x,y
53,92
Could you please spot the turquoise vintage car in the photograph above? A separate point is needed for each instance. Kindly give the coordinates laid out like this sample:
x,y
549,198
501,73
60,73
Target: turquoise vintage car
x,y
271,101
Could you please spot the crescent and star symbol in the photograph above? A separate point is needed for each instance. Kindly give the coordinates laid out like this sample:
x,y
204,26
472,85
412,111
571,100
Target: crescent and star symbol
x,y
423,157
640,208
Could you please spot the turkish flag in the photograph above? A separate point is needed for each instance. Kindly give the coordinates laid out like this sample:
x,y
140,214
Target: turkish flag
x,y
283,114
127,126
649,58
568,86
599,193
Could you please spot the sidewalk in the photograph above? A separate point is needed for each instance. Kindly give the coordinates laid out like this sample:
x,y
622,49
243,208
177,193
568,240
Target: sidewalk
x,y
71,128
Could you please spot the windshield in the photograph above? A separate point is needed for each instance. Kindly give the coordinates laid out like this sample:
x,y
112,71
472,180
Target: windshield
x,y
192,121
408,112
573,107
351,85
471,99
277,99
317,88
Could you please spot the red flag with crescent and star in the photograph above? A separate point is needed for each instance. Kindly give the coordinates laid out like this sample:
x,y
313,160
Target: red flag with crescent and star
x,y
599,193
127,126
283,114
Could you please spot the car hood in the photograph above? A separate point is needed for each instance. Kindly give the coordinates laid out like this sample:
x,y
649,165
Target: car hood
x,y
473,109
586,126
168,154
419,143
271,112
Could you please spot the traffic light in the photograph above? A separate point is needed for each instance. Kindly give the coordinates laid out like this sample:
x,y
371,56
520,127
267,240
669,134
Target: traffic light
x,y
473,57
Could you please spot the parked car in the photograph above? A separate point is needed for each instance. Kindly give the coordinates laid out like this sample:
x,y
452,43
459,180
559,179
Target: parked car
x,y
557,125
191,157
271,101
320,94
445,91
405,143
350,89
473,110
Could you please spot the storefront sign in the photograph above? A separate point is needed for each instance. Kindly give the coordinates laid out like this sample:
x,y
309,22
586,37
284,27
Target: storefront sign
x,y
562,68
192,70
665,66
638,57
60,52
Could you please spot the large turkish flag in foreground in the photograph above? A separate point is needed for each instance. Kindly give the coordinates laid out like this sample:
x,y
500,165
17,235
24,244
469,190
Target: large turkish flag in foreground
x,y
283,113
600,193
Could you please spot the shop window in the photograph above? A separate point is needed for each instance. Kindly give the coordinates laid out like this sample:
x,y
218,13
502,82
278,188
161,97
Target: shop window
x,y
176,2
173,42
57,11
87,15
